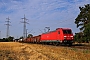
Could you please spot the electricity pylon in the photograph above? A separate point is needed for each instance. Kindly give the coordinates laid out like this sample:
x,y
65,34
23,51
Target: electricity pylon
x,y
24,27
8,24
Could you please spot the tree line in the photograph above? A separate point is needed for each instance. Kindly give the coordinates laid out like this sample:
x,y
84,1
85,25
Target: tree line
x,y
10,38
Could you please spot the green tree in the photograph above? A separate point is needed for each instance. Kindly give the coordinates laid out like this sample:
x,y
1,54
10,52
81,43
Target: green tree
x,y
87,32
21,37
10,38
83,21
79,37
84,17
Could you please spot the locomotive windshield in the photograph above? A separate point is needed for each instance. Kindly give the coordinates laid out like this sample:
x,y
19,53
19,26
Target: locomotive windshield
x,y
67,31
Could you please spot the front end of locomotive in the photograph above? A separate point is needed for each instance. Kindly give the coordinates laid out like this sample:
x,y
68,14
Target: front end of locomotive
x,y
68,36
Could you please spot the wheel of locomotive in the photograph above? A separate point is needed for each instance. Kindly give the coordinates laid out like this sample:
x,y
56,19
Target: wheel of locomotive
x,y
43,43
55,43
70,44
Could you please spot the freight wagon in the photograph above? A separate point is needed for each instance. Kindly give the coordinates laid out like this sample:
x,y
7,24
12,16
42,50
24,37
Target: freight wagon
x,y
60,35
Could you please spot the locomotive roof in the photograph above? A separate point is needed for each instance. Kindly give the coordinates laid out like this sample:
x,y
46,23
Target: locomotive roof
x,y
63,28
57,29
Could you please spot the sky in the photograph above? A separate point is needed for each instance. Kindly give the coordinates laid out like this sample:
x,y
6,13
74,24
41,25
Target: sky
x,y
40,14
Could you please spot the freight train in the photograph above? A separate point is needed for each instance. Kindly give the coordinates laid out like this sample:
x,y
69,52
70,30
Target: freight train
x,y
56,37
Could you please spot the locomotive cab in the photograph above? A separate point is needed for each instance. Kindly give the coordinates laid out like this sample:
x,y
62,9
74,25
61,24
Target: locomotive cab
x,y
67,36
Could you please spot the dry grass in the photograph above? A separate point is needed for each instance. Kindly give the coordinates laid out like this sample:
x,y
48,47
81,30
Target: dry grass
x,y
23,51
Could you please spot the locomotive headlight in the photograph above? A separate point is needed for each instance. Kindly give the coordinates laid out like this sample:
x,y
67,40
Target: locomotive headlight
x,y
71,36
65,36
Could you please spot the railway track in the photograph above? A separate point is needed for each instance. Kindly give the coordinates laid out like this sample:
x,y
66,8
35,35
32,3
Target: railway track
x,y
81,46
78,46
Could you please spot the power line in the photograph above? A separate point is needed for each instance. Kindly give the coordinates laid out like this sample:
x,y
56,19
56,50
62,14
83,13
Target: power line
x,y
8,24
24,27
60,22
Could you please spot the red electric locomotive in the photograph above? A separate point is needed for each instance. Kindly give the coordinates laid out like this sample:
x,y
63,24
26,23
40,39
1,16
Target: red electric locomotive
x,y
60,35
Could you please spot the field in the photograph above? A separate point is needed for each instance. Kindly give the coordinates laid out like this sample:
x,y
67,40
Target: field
x,y
24,51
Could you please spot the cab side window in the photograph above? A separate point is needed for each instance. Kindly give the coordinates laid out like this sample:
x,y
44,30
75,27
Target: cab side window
x,y
58,32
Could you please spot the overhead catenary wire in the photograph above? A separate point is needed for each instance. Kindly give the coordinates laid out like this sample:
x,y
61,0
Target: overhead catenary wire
x,y
61,22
